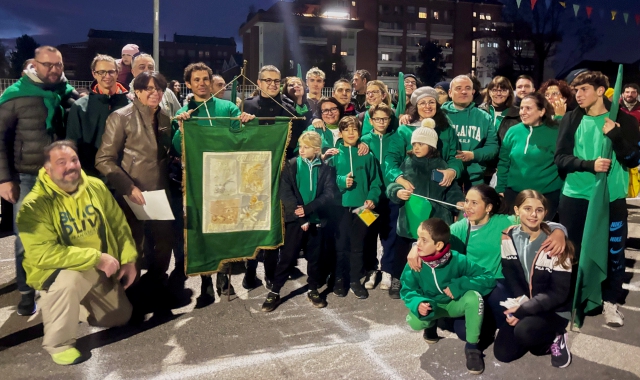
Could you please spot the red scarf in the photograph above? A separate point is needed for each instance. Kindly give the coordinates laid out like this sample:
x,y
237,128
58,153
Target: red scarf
x,y
437,256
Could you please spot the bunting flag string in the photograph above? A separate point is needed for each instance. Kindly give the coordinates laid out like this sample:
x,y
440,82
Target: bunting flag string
x,y
576,8
613,15
533,3
626,17
589,10
564,4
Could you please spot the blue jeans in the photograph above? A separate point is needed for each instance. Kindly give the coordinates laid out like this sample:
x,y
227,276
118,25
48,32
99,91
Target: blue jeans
x,y
26,184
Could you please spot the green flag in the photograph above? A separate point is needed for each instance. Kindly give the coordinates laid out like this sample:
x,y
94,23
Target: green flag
x,y
299,71
231,186
234,92
417,209
592,265
401,108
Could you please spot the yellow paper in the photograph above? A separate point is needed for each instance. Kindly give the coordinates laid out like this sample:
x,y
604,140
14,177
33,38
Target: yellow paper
x,y
368,216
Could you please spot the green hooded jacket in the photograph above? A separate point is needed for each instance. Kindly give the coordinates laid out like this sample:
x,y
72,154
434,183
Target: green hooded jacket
x,y
379,146
367,184
458,274
418,172
70,231
213,108
477,134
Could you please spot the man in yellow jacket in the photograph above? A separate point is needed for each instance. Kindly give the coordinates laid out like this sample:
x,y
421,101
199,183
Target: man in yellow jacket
x,y
79,251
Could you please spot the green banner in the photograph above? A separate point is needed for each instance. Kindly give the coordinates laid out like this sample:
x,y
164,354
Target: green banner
x,y
231,183
417,209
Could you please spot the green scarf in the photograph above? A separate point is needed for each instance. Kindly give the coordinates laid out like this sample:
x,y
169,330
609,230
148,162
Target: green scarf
x,y
301,109
26,88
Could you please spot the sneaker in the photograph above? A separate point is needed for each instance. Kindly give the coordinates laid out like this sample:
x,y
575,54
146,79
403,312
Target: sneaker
x,y
359,290
430,334
560,355
250,281
385,284
475,363
339,288
27,304
224,286
272,301
394,290
316,300
612,316
370,283
69,356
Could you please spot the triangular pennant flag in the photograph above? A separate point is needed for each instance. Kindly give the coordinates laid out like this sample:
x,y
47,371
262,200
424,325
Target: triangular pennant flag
x,y
626,17
533,3
402,94
564,4
299,72
518,1
589,10
637,19
416,210
576,7
547,3
613,15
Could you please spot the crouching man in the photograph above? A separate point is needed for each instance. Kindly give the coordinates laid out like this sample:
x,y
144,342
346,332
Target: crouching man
x,y
78,251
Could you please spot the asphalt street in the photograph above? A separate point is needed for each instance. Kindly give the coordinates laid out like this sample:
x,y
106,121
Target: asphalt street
x,y
350,339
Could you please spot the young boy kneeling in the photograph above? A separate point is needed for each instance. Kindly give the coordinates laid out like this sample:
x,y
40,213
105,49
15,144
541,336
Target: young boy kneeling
x,y
449,286
307,188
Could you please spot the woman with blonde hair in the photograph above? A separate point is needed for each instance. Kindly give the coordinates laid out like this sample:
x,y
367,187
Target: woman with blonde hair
x,y
377,92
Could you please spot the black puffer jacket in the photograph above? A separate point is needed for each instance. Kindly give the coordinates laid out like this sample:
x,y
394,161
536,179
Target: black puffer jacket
x,y
23,134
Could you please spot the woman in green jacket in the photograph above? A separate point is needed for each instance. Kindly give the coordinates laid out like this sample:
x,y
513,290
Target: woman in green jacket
x,y
527,155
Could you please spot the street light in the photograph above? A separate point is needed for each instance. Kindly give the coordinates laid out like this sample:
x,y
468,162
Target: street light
x,y
156,33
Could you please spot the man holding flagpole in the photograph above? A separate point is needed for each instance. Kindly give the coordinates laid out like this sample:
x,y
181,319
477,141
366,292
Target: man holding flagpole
x,y
595,190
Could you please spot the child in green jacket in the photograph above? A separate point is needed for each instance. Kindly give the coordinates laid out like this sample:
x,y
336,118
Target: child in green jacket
x,y
449,286
419,168
360,186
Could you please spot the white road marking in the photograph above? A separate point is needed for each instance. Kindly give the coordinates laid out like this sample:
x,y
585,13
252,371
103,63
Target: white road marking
x,y
607,352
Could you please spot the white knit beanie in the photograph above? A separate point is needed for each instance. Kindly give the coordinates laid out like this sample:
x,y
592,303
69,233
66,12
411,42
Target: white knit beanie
x,y
423,92
426,133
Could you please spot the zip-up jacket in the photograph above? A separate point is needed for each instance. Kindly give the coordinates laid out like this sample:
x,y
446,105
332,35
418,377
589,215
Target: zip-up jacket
x,y
458,274
367,125
379,146
625,142
70,231
367,184
635,111
448,145
329,140
326,193
509,118
549,283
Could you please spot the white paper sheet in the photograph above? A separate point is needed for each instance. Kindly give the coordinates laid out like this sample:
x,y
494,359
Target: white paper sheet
x,y
156,208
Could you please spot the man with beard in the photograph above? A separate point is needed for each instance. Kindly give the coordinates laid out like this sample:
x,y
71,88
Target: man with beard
x,y
88,115
79,252
31,117
629,101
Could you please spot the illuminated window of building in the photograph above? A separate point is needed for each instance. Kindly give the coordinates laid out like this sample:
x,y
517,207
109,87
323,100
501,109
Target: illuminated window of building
x,y
481,44
353,3
473,47
475,14
473,61
436,16
343,53
488,17
481,16
334,49
474,28
333,66
385,57
422,12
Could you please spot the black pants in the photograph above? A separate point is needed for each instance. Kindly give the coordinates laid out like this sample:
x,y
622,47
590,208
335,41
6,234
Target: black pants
x,y
385,228
270,260
553,199
350,238
403,246
294,239
534,333
573,213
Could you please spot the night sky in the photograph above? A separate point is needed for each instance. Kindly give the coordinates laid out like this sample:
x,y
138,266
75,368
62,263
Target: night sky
x,y
63,21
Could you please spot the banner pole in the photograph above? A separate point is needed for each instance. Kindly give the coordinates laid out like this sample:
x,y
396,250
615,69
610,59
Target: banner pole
x,y
229,283
243,72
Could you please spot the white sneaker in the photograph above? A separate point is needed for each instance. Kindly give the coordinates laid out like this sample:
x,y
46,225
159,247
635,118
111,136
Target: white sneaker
x,y
371,280
385,284
612,316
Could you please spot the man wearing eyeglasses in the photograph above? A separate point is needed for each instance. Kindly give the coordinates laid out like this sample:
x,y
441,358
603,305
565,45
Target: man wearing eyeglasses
x,y
31,117
88,115
144,62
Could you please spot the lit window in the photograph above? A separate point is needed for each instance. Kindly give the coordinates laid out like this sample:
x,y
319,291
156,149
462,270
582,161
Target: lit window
x,y
353,3
344,53
473,61
481,16
422,12
474,28
333,67
385,57
334,49
473,47
206,53
474,14
481,44
488,17
435,15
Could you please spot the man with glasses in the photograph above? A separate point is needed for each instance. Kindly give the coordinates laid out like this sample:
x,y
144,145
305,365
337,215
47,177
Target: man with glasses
x,y
88,115
31,117
144,62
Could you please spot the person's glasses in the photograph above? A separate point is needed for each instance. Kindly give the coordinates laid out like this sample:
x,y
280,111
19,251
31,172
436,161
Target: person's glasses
x,y
371,93
342,90
329,110
431,103
380,120
269,82
152,89
102,73
550,95
49,65
499,91
146,67
409,83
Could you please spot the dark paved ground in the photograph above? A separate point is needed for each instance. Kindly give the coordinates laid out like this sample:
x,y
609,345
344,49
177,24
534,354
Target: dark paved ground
x,y
350,339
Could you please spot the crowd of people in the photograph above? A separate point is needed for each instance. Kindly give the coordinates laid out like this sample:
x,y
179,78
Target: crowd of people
x,y
502,179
